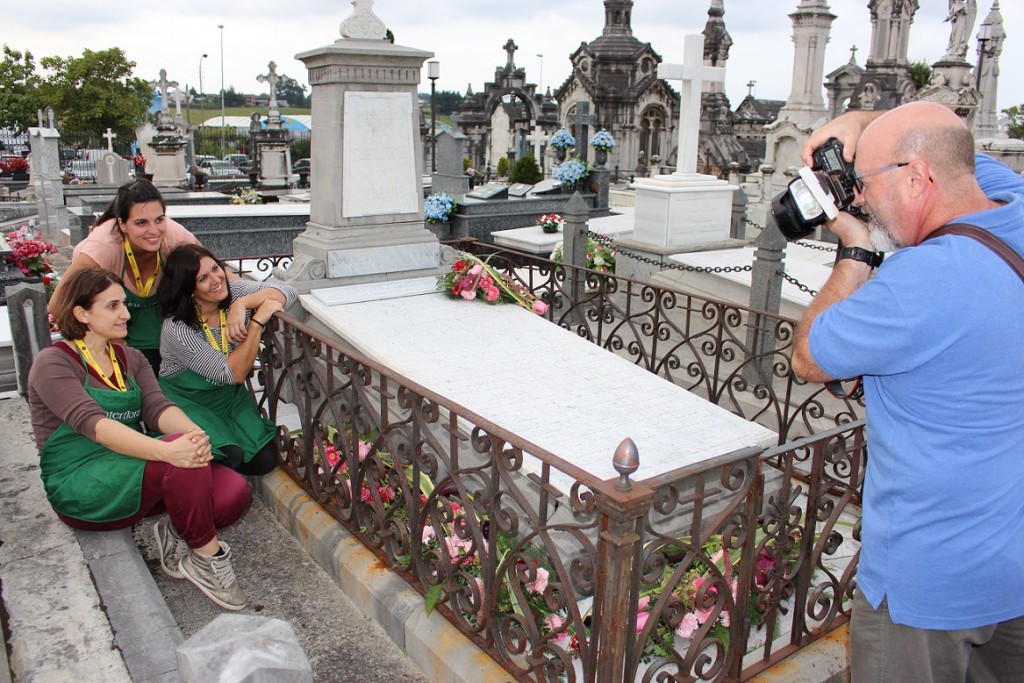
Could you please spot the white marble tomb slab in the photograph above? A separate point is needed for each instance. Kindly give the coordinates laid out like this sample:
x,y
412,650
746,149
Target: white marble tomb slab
x,y
534,240
540,381
390,259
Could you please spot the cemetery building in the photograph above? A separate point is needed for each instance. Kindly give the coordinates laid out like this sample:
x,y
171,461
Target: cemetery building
x,y
497,120
615,77
748,122
718,145
886,82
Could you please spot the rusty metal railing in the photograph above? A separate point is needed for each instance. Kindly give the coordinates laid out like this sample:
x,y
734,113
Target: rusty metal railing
x,y
712,572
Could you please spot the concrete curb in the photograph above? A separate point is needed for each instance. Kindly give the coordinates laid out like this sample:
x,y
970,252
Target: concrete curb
x,y
826,660
434,645
144,628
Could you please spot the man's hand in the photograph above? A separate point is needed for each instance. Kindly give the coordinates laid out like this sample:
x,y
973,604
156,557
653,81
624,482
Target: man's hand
x,y
846,128
851,231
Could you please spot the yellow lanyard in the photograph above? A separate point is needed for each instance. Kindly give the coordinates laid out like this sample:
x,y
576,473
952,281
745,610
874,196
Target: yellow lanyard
x,y
143,288
118,377
223,348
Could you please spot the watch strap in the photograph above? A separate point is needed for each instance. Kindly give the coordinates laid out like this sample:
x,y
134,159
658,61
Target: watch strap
x,y
872,258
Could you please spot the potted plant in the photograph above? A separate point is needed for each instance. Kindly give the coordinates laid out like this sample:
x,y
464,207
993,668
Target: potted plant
x,y
17,167
562,140
602,142
570,172
550,222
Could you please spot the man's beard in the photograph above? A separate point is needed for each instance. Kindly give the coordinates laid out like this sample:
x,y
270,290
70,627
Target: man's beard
x,y
881,237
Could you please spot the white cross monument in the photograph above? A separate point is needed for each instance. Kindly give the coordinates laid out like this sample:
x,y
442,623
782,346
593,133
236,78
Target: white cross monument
x,y
109,135
686,209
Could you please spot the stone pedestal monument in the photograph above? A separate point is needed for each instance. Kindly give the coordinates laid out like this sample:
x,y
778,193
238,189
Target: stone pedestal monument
x,y
952,82
686,209
366,213
168,145
273,143
46,179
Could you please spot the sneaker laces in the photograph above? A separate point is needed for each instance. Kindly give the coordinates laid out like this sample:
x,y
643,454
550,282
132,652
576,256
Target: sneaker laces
x,y
223,570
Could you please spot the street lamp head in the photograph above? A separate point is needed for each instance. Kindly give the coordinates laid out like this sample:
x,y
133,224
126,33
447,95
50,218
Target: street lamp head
x,y
433,70
985,32
204,56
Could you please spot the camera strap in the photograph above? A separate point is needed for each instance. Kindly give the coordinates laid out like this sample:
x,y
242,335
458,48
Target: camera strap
x,y
1001,248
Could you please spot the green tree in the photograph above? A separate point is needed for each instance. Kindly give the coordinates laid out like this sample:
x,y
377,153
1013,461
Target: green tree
x,y
920,73
526,170
95,91
19,98
502,167
290,91
1016,114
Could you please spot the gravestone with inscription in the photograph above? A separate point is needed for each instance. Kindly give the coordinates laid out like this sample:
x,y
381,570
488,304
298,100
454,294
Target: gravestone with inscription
x,y
366,208
490,191
46,178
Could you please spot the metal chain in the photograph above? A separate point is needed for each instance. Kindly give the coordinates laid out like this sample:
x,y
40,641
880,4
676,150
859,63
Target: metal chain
x,y
799,285
752,224
819,247
608,242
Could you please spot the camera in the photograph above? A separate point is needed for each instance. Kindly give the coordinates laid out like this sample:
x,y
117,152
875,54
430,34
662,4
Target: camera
x,y
818,195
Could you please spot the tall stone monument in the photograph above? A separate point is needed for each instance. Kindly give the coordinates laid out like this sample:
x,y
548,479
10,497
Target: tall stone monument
x,y
273,143
990,48
168,145
366,213
952,81
46,179
686,209
886,82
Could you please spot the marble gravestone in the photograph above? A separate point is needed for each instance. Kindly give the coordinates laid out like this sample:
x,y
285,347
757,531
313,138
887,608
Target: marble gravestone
x,y
449,177
112,169
54,218
685,209
490,191
366,198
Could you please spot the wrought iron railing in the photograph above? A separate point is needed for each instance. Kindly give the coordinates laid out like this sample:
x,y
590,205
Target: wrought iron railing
x,y
712,572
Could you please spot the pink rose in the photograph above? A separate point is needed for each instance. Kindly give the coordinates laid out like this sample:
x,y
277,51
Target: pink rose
x,y
364,449
428,534
553,623
468,294
540,307
641,620
642,604
539,584
688,626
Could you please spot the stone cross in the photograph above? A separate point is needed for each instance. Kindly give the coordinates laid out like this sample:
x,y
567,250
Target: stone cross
x,y
853,54
39,113
538,138
750,88
270,78
109,135
163,84
178,96
582,118
363,24
51,117
693,75
510,47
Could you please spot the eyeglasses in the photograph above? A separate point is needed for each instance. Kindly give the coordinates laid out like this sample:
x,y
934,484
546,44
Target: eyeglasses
x,y
858,178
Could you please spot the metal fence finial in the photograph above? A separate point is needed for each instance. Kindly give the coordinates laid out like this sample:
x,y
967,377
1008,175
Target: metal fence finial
x,y
626,461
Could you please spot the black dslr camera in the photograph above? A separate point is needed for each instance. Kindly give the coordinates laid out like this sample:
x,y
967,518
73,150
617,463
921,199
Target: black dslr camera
x,y
818,195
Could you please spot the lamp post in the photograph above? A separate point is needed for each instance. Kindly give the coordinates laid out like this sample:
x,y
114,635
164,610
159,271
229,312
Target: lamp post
x,y
202,104
221,27
433,73
540,78
984,35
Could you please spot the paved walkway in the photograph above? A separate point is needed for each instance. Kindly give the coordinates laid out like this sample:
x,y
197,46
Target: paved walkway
x,y
65,627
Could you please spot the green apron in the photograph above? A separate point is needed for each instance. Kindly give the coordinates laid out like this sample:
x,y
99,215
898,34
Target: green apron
x,y
226,412
86,480
146,321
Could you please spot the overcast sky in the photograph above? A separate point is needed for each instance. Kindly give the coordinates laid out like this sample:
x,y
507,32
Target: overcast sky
x,y
466,36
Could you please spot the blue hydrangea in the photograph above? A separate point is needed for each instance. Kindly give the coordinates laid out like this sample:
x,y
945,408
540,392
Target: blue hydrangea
x,y
438,208
570,172
603,140
562,139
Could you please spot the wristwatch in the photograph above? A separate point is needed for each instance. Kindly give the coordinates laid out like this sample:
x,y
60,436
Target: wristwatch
x,y
872,258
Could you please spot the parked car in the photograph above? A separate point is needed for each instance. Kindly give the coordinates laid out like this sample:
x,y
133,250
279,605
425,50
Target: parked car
x,y
200,158
236,159
301,166
82,170
221,169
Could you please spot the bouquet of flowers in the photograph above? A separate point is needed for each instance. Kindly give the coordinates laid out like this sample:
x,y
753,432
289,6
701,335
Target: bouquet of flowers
x,y
29,251
246,196
602,141
471,276
139,160
438,208
471,171
562,139
570,172
551,222
600,257
15,164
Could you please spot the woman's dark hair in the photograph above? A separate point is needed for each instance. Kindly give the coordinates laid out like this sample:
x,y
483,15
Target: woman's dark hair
x,y
128,195
178,283
79,288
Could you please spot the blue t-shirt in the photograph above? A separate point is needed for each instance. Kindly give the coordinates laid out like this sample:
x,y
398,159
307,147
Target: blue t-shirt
x,y
937,335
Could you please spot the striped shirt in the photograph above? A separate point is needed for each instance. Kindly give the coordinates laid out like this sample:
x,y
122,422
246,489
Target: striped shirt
x,y
186,348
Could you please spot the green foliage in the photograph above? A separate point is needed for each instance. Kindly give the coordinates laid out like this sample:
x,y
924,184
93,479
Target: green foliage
x,y
95,91
920,72
232,98
526,170
18,95
290,91
301,148
1016,114
466,163
503,167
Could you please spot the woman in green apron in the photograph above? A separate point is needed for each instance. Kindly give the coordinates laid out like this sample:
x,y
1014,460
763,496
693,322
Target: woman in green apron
x,y
98,415
132,239
205,362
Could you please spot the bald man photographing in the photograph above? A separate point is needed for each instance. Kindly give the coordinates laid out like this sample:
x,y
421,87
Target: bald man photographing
x,y
936,333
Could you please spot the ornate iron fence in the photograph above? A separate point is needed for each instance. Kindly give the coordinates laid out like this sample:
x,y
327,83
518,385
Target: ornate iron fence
x,y
708,573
